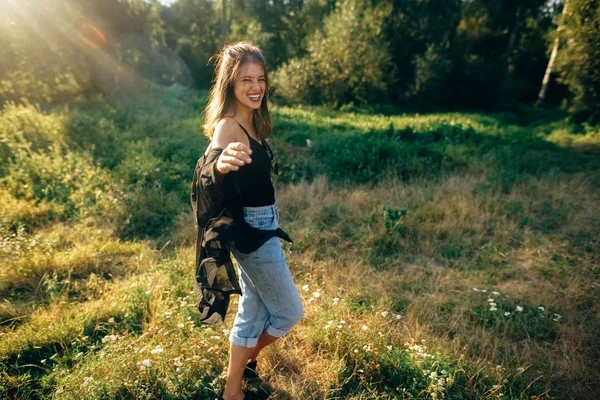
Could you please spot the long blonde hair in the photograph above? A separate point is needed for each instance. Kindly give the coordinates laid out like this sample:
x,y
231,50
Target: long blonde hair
x,y
228,64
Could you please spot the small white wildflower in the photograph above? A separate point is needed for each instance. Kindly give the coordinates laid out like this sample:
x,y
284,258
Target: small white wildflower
x,y
148,292
177,362
181,326
398,316
356,350
147,363
111,320
490,300
305,288
493,309
336,300
475,289
426,372
364,328
444,372
87,380
308,143
384,314
449,381
316,295
556,317
496,293
340,326
158,349
519,309
367,348
506,314
329,323
380,334
216,337
389,348
493,304
483,290
541,308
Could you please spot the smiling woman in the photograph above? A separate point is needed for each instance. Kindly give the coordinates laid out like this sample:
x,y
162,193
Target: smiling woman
x,y
237,122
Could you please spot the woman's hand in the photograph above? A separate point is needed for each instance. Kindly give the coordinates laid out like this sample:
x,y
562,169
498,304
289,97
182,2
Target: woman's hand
x,y
234,156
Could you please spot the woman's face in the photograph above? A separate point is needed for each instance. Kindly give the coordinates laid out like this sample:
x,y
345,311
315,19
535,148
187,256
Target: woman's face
x,y
250,85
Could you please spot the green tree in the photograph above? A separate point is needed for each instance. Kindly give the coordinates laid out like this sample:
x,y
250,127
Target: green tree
x,y
579,59
347,61
191,32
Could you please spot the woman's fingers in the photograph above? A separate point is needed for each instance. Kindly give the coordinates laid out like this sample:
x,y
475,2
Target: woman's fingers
x,y
224,167
235,155
232,160
239,151
239,146
240,155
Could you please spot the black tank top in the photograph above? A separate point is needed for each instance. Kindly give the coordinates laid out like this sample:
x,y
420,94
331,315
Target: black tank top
x,y
254,179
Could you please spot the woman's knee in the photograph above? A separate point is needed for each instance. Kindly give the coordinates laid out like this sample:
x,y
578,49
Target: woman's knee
x,y
296,311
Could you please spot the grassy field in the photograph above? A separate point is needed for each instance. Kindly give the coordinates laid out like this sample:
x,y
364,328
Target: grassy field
x,y
449,255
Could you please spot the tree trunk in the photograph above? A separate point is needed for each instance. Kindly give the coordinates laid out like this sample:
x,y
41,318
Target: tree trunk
x,y
224,21
546,80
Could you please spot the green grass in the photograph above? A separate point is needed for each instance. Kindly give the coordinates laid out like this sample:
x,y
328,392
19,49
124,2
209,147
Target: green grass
x,y
448,255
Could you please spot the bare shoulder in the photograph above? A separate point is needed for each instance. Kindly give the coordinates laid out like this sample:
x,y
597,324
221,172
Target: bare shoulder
x,y
226,131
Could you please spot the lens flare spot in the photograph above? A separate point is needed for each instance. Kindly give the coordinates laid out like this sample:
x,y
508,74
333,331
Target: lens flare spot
x,y
92,36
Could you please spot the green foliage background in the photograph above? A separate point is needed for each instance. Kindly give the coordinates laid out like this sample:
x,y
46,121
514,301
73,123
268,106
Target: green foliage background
x,y
430,54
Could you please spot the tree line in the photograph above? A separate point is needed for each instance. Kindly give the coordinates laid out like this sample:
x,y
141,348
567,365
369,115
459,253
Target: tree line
x,y
429,54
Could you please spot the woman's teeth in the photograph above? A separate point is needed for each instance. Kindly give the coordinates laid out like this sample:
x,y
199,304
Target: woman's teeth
x,y
254,98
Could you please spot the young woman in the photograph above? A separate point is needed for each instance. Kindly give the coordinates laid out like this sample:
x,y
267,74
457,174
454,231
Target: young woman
x,y
237,121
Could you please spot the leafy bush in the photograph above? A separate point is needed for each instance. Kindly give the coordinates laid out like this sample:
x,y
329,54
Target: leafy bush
x,y
147,213
348,61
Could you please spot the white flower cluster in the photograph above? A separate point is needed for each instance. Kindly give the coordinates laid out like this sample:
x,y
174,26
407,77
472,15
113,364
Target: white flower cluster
x,y
111,338
331,323
157,350
385,314
438,383
418,350
145,364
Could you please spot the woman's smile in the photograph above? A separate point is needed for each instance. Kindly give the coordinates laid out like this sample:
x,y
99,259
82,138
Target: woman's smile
x,y
250,85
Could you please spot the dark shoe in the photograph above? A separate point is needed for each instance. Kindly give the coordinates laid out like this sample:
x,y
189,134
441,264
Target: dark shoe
x,y
249,395
256,394
250,372
256,387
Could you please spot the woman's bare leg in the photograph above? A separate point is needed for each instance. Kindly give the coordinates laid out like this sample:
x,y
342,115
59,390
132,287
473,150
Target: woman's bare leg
x,y
263,341
238,357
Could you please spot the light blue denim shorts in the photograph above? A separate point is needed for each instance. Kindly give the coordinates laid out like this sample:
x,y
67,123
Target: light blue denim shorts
x,y
270,300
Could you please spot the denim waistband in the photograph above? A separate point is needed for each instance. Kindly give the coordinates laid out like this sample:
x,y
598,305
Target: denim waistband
x,y
262,210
